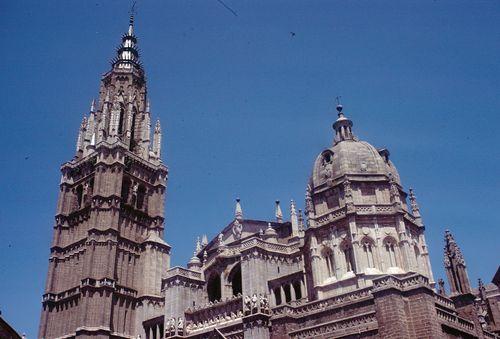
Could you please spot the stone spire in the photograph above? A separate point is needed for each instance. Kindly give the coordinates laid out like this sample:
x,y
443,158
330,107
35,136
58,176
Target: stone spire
x,y
90,130
204,240
414,205
294,218
198,245
146,130
157,140
454,264
342,126
81,135
301,221
278,213
238,212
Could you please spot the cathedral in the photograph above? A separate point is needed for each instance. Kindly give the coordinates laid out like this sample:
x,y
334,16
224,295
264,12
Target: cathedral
x,y
353,264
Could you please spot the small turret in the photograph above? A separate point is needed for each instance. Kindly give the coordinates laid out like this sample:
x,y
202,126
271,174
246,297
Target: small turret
x,y
270,233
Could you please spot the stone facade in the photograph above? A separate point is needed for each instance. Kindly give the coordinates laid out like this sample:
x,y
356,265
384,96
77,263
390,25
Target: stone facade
x,y
355,264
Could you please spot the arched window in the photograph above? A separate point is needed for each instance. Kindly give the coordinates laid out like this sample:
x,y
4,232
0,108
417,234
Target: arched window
x,y
298,291
132,130
126,190
329,259
79,196
214,287
235,280
390,249
346,248
141,194
120,120
277,295
288,294
367,244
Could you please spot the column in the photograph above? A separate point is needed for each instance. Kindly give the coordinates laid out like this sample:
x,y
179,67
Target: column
x,y
292,292
302,289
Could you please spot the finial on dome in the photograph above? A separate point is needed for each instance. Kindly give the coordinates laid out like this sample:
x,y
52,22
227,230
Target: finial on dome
x,y
339,105
279,213
238,212
343,125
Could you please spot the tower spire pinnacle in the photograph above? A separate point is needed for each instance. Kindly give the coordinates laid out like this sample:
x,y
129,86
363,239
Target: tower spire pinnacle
x,y
127,52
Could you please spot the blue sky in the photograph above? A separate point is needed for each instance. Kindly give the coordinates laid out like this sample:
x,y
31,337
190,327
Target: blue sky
x,y
246,106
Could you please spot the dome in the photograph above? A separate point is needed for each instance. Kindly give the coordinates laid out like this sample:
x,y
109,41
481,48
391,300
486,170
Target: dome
x,y
351,156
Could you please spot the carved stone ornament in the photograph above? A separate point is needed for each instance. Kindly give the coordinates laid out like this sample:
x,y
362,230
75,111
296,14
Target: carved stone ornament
x,y
327,166
237,229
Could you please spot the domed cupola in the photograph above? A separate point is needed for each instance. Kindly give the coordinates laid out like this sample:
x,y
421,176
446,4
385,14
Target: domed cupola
x,y
350,156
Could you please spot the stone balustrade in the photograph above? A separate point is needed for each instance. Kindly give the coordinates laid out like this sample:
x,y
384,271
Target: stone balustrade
x,y
341,327
214,314
455,320
444,301
302,308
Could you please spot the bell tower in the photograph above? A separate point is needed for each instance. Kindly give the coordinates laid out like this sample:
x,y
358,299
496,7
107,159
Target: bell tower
x,y
108,254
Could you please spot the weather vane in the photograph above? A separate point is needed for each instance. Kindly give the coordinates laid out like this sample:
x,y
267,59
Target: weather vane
x,y
132,9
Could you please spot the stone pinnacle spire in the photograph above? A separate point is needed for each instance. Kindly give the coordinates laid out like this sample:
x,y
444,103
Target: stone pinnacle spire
x,y
238,212
414,205
301,221
294,218
454,264
157,139
342,126
279,213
